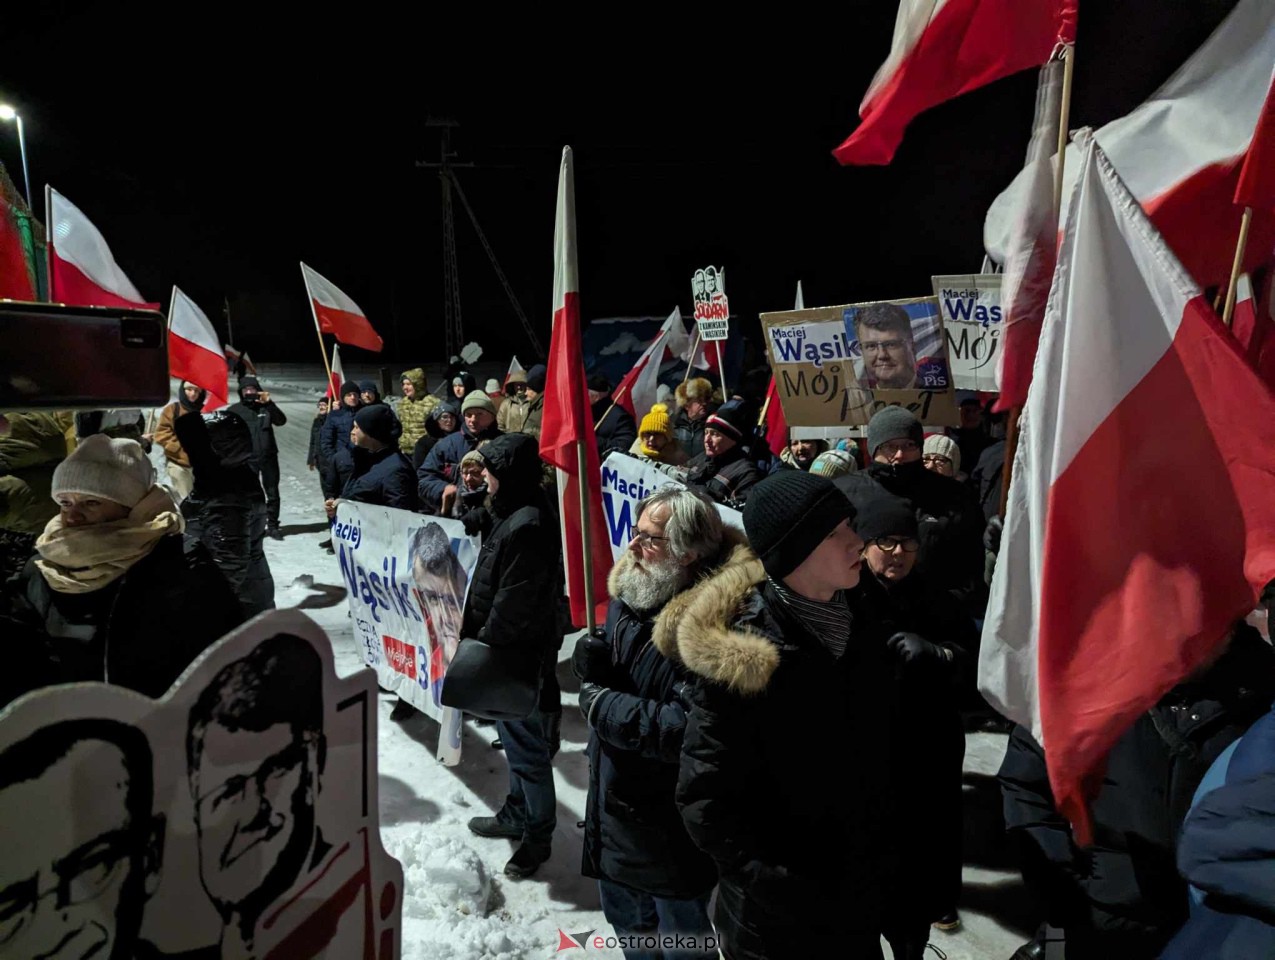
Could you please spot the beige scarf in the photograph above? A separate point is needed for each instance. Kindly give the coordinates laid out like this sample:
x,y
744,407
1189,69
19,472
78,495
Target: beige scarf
x,y
83,559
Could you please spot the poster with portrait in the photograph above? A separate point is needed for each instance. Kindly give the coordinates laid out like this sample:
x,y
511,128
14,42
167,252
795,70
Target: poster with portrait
x,y
970,305
837,366
235,817
406,577
712,308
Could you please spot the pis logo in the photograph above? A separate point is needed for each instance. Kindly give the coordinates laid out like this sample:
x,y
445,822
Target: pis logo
x,y
567,941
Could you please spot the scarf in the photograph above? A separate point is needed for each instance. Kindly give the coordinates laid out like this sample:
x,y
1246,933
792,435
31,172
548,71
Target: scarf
x,y
84,559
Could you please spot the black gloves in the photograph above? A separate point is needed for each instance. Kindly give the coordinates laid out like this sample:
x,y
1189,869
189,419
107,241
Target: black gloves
x,y
591,660
553,732
589,694
912,648
477,522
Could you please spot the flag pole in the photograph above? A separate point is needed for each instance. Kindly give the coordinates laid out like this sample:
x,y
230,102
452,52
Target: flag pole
x,y
1228,312
614,402
323,350
721,370
587,554
1068,54
48,243
690,364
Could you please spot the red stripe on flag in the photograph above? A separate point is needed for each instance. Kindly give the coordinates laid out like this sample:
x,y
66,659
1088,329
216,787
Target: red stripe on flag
x,y
68,284
350,328
1256,185
190,361
1137,590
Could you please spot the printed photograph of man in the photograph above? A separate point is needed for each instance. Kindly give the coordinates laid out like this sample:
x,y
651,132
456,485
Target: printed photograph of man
x,y
255,751
75,879
884,332
440,585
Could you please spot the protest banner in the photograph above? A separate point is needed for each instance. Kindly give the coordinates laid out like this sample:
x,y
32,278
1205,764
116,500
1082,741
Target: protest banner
x,y
236,816
970,308
837,366
712,308
626,481
406,576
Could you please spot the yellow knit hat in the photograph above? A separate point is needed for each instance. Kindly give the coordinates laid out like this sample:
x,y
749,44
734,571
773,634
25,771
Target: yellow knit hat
x,y
657,421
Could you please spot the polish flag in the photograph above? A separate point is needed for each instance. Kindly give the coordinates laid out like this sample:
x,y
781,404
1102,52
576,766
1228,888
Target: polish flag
x,y
1253,325
568,420
773,419
638,391
679,341
1140,523
194,352
944,48
337,314
1180,152
338,374
82,270
1256,185
514,367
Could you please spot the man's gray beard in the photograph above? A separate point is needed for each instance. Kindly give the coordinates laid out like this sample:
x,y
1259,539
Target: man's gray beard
x,y
650,586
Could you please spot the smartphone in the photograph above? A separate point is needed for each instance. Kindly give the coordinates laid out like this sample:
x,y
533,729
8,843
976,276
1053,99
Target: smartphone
x,y
65,357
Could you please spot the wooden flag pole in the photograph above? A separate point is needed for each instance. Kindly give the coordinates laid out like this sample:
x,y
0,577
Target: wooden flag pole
x,y
1228,312
721,371
614,402
690,364
587,552
323,350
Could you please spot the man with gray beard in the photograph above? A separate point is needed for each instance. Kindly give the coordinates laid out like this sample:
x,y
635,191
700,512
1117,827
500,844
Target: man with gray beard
x,y
654,882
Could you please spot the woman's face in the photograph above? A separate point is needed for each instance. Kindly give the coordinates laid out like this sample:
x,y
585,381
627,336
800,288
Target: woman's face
x,y
458,391
654,441
447,423
84,510
891,558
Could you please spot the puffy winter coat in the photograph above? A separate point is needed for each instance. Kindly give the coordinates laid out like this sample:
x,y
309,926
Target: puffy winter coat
x,y
689,434
535,413
726,479
314,455
988,476
633,833
167,438
29,453
950,522
440,467
384,478
802,856
617,430
1227,852
1123,896
413,413
261,418
335,444
140,631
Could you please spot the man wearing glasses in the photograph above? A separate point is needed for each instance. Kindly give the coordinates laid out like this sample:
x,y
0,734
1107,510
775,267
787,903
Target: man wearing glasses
x,y
884,332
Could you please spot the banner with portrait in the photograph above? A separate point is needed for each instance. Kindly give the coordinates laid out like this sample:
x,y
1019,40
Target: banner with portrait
x,y
235,817
972,321
406,576
837,366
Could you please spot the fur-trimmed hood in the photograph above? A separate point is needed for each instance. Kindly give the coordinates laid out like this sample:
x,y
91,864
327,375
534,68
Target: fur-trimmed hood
x,y
694,627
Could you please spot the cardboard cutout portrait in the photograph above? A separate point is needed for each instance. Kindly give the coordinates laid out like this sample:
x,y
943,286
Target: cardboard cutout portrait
x,y
712,308
234,818
972,322
837,366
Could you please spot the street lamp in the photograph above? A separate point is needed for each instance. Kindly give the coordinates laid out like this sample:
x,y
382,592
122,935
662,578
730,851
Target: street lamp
x,y
8,113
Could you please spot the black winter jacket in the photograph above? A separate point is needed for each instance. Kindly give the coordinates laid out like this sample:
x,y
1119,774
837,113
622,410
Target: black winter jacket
x,y
802,856
335,445
1123,896
262,418
633,833
440,466
384,478
988,477
314,456
616,432
139,631
726,479
689,434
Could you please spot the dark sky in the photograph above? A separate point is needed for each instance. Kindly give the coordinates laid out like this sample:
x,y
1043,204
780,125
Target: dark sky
x,y
216,149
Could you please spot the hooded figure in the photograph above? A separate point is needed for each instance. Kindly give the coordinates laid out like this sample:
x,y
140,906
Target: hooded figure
x,y
536,377
226,510
516,571
513,412
190,399
443,421
414,408
335,438
801,454
463,384
438,481
262,416
111,594
369,392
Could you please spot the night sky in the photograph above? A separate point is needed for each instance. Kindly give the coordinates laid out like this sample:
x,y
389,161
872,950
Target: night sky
x,y
215,150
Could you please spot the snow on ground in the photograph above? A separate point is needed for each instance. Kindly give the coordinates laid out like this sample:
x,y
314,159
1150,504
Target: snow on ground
x,y
458,903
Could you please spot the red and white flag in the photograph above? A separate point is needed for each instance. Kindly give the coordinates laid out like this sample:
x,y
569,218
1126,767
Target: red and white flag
x,y
1256,185
1033,248
944,48
1253,325
514,367
1180,153
1141,523
194,352
568,417
337,314
82,269
773,418
338,374
679,341
638,391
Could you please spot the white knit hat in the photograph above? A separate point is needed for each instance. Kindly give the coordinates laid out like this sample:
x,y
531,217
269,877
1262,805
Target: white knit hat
x,y
493,386
115,470
944,447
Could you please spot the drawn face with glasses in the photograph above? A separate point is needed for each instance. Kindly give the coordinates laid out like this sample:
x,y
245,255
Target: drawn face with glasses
x,y
74,879
889,359
891,558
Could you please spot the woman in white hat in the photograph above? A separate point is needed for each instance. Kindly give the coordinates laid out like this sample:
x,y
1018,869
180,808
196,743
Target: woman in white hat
x,y
112,592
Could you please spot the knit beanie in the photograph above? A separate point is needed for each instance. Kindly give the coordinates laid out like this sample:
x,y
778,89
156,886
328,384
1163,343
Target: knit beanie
x,y
536,378
893,423
833,463
378,421
493,386
474,456
478,401
883,515
944,447
789,514
731,419
248,383
657,421
115,470
599,384
369,386
348,388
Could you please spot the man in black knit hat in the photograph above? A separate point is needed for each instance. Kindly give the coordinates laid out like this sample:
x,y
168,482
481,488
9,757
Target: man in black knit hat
x,y
262,415
334,440
724,471
382,475
803,863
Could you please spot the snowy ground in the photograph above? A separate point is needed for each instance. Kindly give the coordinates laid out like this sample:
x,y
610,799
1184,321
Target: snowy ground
x,y
459,905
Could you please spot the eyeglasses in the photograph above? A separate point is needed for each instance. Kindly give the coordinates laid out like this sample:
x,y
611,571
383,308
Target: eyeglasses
x,y
936,458
891,544
891,447
266,777
878,346
647,540
83,876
